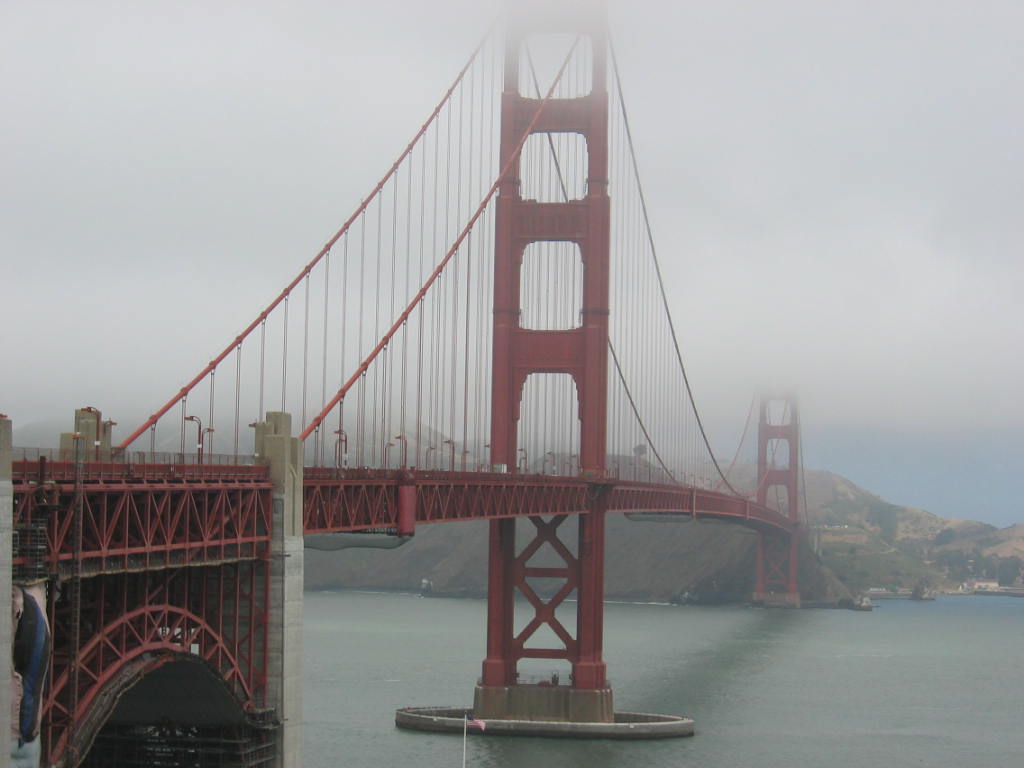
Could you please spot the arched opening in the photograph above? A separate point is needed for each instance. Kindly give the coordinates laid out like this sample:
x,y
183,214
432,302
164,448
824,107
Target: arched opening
x,y
778,453
554,167
549,426
551,286
176,712
778,412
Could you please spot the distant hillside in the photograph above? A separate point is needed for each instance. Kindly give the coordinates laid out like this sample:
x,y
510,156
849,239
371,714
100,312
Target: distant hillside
x,y
863,542
869,542
645,561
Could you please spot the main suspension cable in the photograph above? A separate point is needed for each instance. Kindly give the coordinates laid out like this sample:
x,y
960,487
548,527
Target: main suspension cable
x,y
657,269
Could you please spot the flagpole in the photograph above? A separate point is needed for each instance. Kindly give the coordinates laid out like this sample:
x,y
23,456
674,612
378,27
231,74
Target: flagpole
x,y
465,723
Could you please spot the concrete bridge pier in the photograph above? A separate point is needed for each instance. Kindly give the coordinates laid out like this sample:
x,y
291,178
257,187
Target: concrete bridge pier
x,y
6,536
282,453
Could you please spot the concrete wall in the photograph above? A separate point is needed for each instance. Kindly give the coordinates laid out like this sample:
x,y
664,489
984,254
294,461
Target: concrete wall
x,y
6,528
276,448
88,424
561,703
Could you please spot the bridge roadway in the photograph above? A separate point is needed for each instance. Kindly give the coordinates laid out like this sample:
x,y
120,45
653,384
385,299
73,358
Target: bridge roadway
x,y
202,563
141,516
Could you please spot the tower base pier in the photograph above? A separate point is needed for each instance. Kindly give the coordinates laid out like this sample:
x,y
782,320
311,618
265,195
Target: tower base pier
x,y
543,702
777,599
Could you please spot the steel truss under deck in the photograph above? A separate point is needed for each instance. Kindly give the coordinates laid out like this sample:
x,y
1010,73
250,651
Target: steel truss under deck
x,y
147,566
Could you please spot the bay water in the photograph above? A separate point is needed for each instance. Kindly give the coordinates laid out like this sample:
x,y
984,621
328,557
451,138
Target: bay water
x,y
909,684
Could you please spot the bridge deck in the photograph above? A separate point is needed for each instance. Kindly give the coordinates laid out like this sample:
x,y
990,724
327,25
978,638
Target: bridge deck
x,y
140,516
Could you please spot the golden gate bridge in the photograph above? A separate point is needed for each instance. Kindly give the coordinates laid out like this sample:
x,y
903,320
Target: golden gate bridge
x,y
487,336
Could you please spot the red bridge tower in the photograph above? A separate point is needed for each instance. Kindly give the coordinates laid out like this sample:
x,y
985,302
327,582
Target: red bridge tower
x,y
582,353
776,567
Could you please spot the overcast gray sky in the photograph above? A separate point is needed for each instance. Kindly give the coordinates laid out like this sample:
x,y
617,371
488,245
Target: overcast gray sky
x,y
835,189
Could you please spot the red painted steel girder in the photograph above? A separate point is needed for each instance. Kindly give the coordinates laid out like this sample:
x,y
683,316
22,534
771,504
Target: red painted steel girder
x,y
154,523
699,503
150,524
152,630
355,500
133,623
544,611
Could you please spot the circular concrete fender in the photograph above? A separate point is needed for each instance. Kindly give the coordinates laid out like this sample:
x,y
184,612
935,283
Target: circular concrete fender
x,y
627,725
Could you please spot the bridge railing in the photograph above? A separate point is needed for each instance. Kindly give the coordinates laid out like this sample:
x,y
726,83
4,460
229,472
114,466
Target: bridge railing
x,y
56,465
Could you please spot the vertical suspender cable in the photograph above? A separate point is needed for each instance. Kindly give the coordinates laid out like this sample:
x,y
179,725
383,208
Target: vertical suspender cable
x,y
305,347
238,394
643,204
263,367
324,360
284,355
209,423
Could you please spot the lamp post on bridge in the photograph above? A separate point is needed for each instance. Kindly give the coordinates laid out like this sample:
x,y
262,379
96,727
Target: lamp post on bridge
x,y
451,443
108,428
405,448
199,437
208,431
340,449
426,455
465,453
98,441
525,466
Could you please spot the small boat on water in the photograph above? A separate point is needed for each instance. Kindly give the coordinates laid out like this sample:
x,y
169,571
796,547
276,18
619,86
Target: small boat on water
x,y
863,603
922,592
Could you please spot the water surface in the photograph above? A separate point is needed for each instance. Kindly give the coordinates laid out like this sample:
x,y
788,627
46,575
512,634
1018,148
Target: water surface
x,y
909,684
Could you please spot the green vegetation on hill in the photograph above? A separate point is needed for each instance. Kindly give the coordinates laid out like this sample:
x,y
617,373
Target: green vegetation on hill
x,y
869,542
860,568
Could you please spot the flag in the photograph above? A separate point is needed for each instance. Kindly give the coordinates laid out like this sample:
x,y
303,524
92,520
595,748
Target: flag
x,y
478,723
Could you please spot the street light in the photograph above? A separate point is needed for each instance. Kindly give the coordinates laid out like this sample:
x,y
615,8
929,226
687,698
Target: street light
x,y
96,443
405,448
526,461
465,453
387,445
199,437
426,455
341,449
208,431
544,463
452,444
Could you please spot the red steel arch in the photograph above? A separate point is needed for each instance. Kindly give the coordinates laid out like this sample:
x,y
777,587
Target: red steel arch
x,y
169,632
